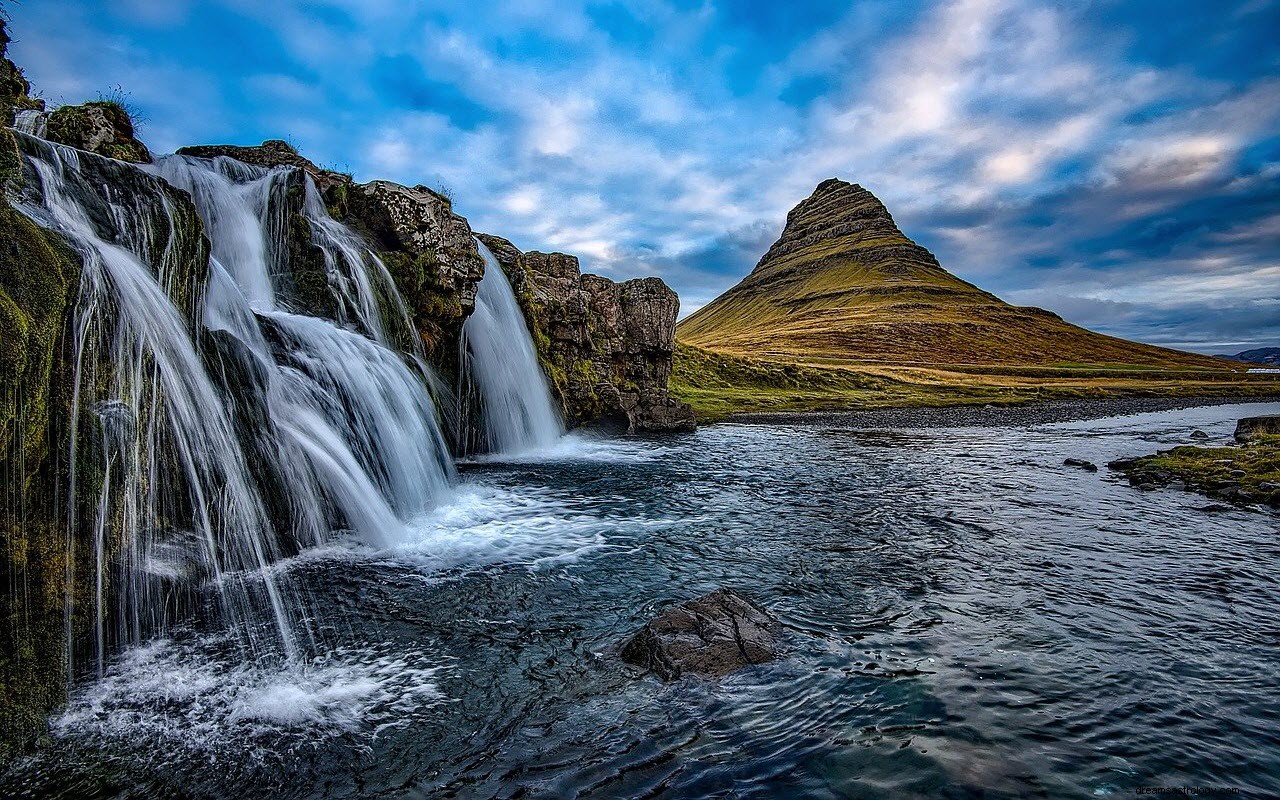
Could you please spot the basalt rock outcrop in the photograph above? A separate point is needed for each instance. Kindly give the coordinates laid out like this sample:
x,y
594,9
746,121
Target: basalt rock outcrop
x,y
712,635
607,347
429,250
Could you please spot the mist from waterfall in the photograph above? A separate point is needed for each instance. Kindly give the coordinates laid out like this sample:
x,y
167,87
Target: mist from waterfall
x,y
228,436
518,411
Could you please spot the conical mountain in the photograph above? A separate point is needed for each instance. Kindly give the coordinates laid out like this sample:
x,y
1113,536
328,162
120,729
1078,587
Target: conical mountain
x,y
844,284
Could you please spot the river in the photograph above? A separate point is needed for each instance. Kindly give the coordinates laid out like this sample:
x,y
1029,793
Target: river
x,y
964,616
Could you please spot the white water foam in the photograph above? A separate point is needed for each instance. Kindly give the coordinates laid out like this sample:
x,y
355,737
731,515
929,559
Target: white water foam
x,y
197,695
581,447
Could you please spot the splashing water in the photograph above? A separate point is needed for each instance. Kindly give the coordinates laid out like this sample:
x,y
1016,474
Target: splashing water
x,y
518,410
239,430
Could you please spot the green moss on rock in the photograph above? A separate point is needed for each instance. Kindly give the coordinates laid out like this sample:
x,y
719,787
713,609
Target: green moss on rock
x,y
102,126
1244,474
38,276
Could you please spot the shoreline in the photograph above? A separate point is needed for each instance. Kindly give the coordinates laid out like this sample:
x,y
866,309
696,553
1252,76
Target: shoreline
x,y
1027,414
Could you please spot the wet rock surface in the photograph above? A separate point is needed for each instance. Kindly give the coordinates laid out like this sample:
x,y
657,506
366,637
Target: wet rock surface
x,y
271,153
712,635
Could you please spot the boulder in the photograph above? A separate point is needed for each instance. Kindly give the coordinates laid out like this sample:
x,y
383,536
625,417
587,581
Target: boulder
x,y
103,127
1250,428
1199,434
712,635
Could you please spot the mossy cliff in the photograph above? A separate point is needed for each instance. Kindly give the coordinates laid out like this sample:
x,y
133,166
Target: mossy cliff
x,y
45,585
607,347
38,274
101,126
48,575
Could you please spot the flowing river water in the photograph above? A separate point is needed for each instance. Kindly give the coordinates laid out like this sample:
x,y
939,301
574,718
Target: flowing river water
x,y
965,617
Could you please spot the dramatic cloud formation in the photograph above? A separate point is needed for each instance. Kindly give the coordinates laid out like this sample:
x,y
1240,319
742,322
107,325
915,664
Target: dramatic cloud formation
x,y
1118,163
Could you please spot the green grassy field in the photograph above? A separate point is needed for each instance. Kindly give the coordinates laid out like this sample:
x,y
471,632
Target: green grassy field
x,y
718,384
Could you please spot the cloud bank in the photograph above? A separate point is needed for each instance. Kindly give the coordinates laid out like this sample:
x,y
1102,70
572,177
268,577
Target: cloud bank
x,y
1118,163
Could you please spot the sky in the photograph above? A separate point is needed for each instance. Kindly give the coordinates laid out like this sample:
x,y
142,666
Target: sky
x,y
1115,162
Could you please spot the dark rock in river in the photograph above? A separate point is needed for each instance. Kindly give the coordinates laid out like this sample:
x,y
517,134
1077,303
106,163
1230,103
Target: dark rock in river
x,y
607,347
713,635
1088,466
1251,427
1199,434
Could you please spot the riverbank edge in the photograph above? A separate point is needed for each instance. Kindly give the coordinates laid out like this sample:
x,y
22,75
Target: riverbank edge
x,y
986,416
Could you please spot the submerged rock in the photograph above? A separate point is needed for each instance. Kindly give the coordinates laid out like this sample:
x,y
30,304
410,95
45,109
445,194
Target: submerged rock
x,y
1199,434
1087,466
1250,428
607,347
712,635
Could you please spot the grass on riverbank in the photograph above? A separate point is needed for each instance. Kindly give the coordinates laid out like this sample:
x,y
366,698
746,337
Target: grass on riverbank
x,y
718,384
1248,473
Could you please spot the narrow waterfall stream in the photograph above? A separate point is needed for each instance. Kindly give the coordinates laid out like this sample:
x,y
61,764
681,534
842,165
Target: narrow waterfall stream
x,y
232,429
518,410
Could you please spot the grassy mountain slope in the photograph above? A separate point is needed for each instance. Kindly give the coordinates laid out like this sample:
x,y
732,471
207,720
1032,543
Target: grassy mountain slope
x,y
843,284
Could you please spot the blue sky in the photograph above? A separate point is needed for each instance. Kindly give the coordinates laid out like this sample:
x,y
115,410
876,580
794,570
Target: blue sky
x,y
1118,163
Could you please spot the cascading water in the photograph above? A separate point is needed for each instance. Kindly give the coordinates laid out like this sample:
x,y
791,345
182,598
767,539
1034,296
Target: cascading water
x,y
356,418
237,431
518,410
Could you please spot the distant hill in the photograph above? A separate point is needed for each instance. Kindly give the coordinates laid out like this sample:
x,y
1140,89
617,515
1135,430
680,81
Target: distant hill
x,y
843,284
1261,355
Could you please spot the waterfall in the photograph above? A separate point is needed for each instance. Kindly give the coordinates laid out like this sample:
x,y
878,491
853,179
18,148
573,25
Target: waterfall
x,y
217,427
518,410
31,122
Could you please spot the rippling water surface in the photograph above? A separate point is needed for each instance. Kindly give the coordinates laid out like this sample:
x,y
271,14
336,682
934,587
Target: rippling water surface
x,y
966,618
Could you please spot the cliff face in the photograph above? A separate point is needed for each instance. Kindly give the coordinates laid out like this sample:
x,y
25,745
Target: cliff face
x,y
38,274
606,346
843,283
